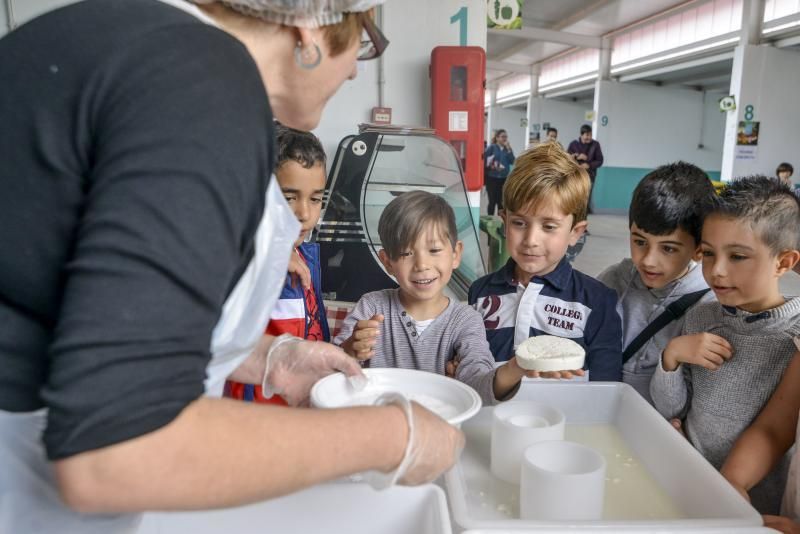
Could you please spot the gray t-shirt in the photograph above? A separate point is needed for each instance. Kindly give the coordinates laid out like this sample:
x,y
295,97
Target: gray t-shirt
x,y
719,405
457,332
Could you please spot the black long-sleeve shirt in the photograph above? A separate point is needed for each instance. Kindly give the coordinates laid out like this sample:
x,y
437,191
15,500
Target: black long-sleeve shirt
x,y
136,146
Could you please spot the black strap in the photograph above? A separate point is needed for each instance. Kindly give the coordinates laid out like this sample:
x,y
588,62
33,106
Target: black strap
x,y
673,311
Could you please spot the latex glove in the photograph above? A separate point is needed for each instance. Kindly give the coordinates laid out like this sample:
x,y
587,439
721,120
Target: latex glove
x,y
433,446
294,365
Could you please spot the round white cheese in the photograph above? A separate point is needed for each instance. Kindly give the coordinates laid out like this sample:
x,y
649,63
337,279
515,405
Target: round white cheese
x,y
550,353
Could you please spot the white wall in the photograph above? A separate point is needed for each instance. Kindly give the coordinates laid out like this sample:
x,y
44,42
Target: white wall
x,y
648,126
767,79
567,117
414,28
508,119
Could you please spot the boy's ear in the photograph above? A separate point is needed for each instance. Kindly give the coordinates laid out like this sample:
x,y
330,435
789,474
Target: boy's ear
x,y
457,254
387,264
787,260
577,231
698,254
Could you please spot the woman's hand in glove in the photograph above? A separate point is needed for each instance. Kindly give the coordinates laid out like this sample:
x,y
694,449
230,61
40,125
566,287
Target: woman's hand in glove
x,y
432,448
294,365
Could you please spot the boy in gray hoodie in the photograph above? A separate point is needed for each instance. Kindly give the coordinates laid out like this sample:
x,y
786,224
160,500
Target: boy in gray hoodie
x,y
664,220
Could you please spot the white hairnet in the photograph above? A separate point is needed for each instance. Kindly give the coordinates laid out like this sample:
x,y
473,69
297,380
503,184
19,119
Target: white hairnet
x,y
300,13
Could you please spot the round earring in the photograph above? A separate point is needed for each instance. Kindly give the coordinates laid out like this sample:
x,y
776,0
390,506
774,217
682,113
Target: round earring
x,y
300,54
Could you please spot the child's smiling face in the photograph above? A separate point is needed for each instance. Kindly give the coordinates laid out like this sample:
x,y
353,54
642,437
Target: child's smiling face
x,y
424,269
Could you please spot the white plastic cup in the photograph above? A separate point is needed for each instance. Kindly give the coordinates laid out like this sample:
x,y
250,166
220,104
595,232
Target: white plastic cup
x,y
515,426
562,480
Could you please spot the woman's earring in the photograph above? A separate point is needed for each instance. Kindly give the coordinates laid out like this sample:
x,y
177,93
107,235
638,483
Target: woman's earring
x,y
303,55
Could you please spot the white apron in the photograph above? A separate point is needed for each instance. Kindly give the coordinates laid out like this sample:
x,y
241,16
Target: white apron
x,y
29,500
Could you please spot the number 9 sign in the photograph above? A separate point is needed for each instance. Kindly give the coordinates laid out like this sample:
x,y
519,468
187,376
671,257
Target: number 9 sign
x,y
604,120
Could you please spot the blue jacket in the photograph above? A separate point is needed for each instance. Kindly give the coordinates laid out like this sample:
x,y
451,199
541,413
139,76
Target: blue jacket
x,y
564,303
499,157
289,316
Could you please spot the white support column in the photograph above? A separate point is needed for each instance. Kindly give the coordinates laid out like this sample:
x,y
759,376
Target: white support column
x,y
601,87
533,111
763,104
604,68
491,115
744,87
752,21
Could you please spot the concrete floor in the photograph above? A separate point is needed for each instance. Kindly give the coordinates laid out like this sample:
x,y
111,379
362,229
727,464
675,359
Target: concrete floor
x,y
608,244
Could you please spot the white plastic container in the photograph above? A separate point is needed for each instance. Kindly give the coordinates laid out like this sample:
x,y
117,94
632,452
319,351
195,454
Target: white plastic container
x,y
694,490
515,426
331,508
562,480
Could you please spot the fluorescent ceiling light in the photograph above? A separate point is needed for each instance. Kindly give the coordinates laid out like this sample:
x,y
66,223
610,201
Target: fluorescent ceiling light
x,y
780,27
674,55
571,81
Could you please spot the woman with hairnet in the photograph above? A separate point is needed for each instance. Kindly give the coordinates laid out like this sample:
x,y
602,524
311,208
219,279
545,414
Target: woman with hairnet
x,y
143,247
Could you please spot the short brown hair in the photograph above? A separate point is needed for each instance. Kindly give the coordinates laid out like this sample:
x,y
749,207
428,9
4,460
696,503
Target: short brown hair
x,y
406,217
341,35
547,174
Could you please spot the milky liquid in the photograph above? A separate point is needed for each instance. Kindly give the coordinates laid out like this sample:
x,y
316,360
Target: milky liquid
x,y
631,492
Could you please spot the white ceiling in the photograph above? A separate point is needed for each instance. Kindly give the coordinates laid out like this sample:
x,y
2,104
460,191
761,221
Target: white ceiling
x,y
704,72
588,17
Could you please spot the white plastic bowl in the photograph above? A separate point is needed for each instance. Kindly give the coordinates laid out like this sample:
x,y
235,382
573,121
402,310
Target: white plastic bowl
x,y
452,400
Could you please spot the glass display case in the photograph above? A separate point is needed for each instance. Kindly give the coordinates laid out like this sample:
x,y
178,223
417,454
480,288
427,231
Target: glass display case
x,y
369,170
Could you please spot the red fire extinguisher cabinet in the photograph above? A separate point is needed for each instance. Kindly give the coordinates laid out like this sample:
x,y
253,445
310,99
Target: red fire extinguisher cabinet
x,y
458,80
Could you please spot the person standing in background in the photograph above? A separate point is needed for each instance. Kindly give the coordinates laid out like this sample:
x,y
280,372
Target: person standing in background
x,y
784,173
588,154
498,159
552,137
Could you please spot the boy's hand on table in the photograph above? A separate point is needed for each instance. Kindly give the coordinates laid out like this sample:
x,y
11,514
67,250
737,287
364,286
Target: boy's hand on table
x,y
704,349
361,344
781,524
299,271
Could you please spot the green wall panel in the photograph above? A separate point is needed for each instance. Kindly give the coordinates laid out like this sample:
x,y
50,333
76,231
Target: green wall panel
x,y
614,187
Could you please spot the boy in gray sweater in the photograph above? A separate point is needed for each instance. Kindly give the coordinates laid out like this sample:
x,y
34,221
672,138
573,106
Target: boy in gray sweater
x,y
417,326
719,374
664,221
